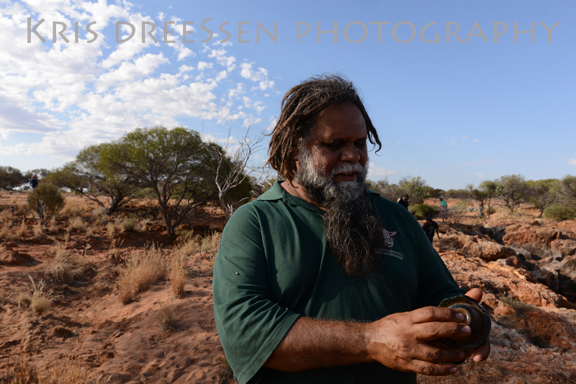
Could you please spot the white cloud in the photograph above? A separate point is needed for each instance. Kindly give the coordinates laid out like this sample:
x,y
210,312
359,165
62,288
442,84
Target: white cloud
x,y
374,171
226,61
452,141
260,76
202,65
72,95
476,140
572,161
480,175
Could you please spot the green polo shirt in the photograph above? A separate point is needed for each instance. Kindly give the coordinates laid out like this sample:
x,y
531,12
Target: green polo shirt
x,y
274,265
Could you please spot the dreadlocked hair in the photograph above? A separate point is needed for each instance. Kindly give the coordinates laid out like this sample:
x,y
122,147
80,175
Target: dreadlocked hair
x,y
300,108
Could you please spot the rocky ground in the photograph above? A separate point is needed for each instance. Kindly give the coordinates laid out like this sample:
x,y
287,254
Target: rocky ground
x,y
526,267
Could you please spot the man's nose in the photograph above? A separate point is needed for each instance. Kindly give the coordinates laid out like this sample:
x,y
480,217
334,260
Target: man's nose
x,y
350,154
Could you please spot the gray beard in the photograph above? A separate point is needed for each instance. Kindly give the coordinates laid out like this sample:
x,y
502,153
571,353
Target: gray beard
x,y
353,228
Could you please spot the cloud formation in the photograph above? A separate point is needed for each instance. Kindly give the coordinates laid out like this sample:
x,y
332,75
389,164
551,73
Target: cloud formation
x,y
78,94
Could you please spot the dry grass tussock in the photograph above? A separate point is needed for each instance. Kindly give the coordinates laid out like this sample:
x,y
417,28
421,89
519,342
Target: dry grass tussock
x,y
39,301
22,230
64,371
67,269
53,228
111,229
206,246
74,208
178,273
130,224
142,269
4,233
166,316
209,245
38,230
78,223
5,216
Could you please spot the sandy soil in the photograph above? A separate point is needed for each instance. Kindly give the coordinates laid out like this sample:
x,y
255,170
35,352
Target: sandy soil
x,y
87,326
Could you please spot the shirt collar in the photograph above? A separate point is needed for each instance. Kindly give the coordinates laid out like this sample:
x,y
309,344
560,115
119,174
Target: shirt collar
x,y
276,192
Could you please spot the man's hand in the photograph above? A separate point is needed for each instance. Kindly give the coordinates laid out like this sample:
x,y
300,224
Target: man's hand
x,y
404,341
409,341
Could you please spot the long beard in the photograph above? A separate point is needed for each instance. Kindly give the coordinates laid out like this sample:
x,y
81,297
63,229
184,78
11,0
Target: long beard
x,y
353,228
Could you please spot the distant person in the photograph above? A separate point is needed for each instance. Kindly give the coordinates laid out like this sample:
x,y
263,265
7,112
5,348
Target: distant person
x,y
429,227
443,208
34,181
403,201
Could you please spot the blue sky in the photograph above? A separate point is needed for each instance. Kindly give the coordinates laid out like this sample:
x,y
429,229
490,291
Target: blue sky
x,y
453,112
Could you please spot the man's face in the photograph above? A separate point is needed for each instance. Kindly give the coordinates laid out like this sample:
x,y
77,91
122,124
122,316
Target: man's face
x,y
336,152
332,168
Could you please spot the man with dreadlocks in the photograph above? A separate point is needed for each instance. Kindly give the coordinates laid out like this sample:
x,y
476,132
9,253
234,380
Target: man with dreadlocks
x,y
320,280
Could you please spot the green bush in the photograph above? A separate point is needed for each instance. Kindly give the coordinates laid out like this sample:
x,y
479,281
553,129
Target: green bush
x,y
423,210
45,198
559,212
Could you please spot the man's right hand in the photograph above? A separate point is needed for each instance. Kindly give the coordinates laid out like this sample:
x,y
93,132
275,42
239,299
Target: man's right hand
x,y
404,341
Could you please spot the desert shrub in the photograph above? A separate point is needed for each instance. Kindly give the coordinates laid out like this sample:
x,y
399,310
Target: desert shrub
x,y
67,270
165,316
46,198
22,230
111,229
38,230
99,212
73,208
59,251
144,224
41,300
53,228
129,224
559,212
23,300
178,273
141,270
78,223
457,213
423,210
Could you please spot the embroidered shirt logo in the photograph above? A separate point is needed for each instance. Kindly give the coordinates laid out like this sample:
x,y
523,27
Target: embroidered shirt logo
x,y
389,238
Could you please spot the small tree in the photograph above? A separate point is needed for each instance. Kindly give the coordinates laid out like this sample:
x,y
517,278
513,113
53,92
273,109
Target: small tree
x,y
567,191
97,178
542,193
11,178
416,188
479,197
231,169
386,189
46,198
172,163
492,190
513,190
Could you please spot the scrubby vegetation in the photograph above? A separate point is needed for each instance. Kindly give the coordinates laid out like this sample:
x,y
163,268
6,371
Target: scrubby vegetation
x,y
559,212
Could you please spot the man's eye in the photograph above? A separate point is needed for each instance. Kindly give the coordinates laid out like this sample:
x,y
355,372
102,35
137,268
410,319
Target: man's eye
x,y
334,145
360,144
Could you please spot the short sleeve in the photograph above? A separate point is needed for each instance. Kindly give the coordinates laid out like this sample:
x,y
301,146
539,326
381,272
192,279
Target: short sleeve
x,y
250,325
